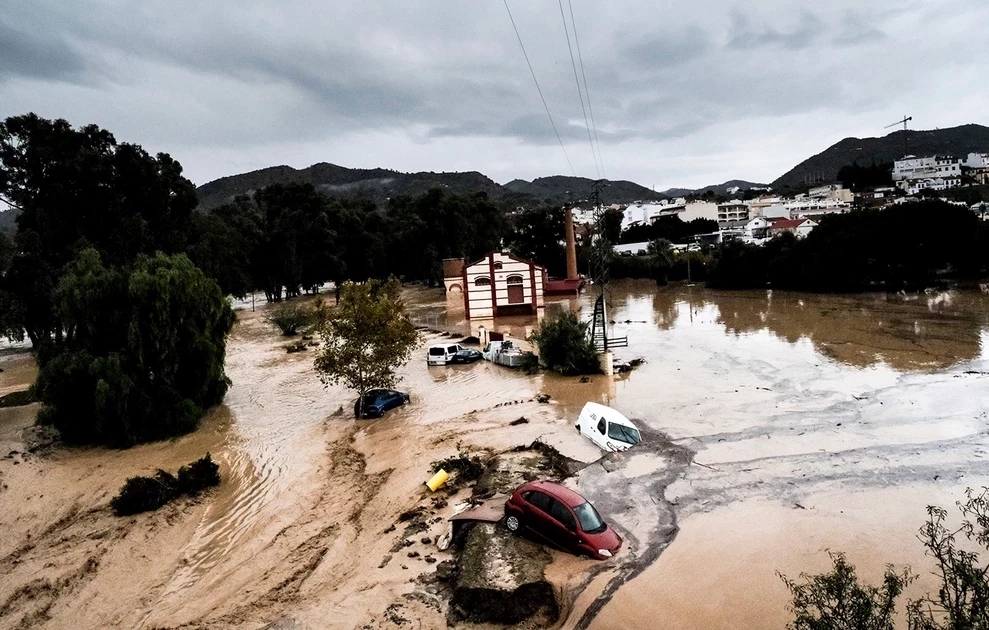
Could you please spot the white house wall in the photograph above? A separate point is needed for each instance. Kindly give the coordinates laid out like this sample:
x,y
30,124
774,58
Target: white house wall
x,y
479,297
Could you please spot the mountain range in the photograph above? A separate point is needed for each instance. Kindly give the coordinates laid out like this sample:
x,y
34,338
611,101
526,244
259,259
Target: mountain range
x,y
380,184
824,167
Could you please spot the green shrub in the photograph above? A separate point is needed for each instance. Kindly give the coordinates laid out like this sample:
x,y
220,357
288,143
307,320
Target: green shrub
x,y
199,475
294,317
143,494
529,363
565,345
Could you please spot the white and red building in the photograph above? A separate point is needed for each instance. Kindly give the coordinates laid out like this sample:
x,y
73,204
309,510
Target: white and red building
x,y
500,284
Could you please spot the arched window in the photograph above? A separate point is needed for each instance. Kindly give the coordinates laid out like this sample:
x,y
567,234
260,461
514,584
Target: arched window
x,y
497,264
482,281
514,279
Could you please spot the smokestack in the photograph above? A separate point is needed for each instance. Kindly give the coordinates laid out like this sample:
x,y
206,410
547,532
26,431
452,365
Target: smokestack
x,y
571,245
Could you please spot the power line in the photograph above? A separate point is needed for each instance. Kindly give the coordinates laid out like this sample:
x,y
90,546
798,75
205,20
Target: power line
x,y
536,81
587,92
580,96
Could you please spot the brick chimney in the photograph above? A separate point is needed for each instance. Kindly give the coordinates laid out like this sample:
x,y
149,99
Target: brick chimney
x,y
571,244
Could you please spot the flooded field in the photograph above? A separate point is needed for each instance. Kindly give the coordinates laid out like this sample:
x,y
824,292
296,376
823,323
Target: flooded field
x,y
777,426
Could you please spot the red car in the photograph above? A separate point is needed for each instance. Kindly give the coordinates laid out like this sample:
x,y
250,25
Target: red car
x,y
561,517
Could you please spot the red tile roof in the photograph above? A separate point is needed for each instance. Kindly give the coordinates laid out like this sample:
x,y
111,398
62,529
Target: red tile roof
x,y
786,224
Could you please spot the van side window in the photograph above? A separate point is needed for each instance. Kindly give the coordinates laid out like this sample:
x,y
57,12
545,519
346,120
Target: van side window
x,y
560,512
601,426
541,501
452,349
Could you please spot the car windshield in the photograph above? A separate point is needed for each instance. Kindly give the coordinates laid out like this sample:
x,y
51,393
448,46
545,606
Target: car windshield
x,y
590,520
623,433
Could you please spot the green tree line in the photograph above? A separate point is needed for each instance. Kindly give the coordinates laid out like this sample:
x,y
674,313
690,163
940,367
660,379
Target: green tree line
x,y
904,247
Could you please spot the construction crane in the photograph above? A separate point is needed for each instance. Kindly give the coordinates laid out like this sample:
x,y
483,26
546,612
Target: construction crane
x,y
906,119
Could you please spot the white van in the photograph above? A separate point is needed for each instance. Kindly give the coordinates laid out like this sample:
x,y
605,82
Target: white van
x,y
607,428
442,353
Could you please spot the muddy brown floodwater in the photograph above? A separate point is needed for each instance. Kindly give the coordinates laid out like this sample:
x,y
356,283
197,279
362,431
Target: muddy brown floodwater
x,y
776,425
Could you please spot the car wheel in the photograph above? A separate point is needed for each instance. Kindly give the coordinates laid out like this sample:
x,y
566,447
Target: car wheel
x,y
513,523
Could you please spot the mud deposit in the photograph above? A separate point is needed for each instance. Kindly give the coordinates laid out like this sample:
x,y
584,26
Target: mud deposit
x,y
776,426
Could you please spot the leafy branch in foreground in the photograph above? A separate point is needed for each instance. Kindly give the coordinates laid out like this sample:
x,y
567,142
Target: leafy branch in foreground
x,y
836,600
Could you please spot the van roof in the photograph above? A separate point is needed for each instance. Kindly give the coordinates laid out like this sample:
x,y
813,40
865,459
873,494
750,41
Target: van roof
x,y
612,415
442,345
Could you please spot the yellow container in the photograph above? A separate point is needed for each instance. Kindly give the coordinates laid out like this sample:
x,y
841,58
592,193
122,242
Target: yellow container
x,y
438,480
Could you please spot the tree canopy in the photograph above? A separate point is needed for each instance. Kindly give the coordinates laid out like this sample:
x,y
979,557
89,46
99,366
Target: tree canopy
x,y
366,338
77,189
143,351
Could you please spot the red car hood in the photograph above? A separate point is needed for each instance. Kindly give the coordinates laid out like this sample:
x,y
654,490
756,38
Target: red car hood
x,y
607,539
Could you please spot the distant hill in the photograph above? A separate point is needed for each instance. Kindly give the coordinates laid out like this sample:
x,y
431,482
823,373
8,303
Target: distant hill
x,y
717,189
380,184
824,167
558,189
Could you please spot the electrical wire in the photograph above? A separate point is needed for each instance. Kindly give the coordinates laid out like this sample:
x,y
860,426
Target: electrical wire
x,y
538,89
573,64
587,92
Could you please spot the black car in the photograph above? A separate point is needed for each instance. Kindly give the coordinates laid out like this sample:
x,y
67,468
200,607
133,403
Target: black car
x,y
378,401
467,355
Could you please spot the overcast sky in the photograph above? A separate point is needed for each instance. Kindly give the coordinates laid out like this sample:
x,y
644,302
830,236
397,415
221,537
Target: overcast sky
x,y
683,93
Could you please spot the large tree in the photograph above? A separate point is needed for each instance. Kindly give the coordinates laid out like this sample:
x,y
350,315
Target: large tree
x,y
142,354
79,188
366,338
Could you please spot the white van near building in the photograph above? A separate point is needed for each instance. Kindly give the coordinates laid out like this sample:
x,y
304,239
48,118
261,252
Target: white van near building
x,y
442,353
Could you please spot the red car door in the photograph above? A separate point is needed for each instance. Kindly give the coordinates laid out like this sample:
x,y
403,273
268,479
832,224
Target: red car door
x,y
564,525
537,517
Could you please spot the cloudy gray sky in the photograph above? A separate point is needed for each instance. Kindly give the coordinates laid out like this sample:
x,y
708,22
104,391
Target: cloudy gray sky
x,y
683,93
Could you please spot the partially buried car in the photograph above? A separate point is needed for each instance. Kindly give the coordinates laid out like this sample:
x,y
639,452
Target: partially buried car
x,y
467,355
562,518
378,401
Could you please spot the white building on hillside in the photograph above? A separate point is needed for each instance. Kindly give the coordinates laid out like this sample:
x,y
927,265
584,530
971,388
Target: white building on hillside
x,y
811,208
699,210
734,210
834,192
647,213
938,166
977,160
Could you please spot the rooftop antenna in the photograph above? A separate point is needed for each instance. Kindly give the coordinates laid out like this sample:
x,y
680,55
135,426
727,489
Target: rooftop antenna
x,y
903,122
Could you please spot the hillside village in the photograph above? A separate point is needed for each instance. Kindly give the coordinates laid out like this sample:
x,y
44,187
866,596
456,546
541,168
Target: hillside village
x,y
759,218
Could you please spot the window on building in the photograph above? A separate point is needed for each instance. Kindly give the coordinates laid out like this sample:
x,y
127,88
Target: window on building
x,y
514,279
497,264
482,281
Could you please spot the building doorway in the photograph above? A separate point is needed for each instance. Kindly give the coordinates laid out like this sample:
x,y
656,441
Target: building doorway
x,y
516,293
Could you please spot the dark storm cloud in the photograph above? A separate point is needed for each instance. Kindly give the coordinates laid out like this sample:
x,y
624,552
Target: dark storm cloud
x,y
251,75
672,49
746,35
37,55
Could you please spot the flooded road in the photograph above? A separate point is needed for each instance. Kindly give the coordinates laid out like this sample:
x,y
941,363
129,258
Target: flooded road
x,y
816,422
777,425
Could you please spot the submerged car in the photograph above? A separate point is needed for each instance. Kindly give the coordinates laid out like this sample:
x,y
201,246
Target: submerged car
x,y
466,355
378,401
561,517
607,428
